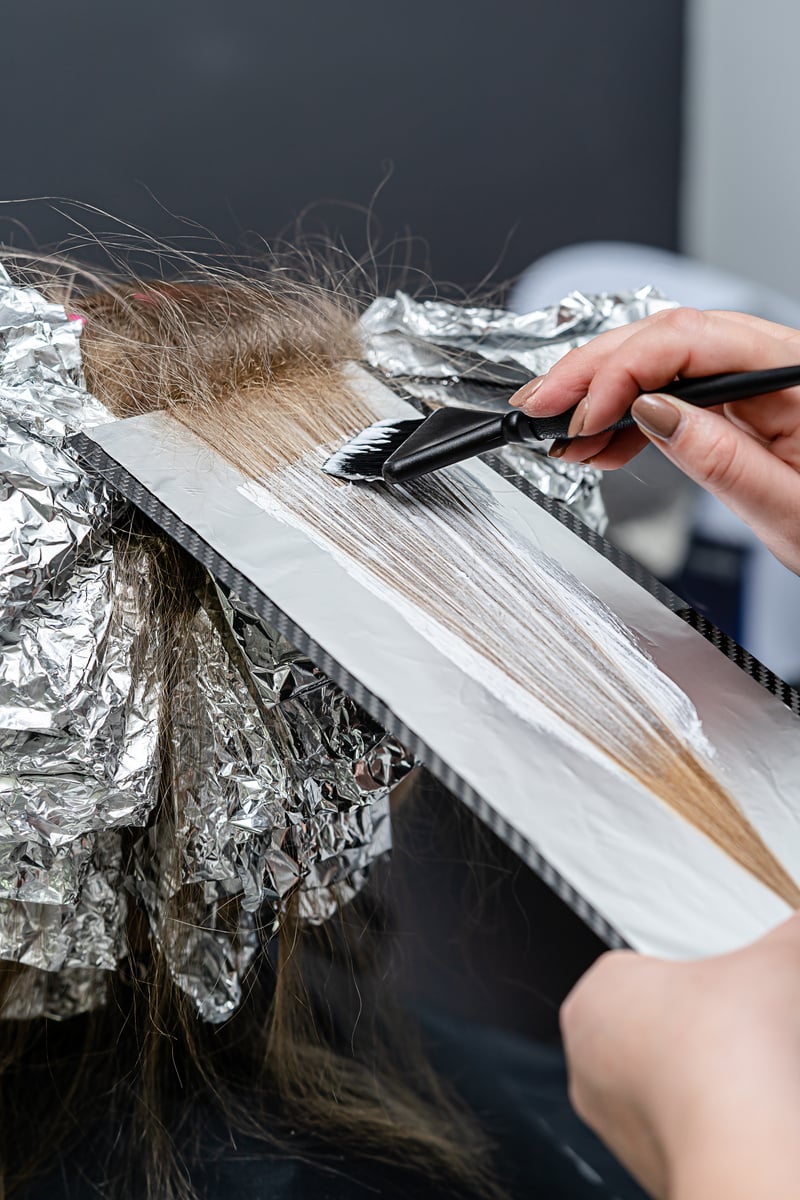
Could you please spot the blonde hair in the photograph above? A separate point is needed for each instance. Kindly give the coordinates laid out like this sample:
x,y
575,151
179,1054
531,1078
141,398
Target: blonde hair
x,y
269,392
256,368
318,1046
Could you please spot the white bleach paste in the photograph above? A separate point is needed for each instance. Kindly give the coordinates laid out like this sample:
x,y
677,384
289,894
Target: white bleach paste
x,y
541,610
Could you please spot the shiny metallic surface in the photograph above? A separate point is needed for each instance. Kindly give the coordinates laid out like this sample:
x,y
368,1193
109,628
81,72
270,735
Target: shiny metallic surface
x,y
277,781
77,712
280,787
445,353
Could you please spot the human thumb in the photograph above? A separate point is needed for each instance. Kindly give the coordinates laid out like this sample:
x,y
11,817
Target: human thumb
x,y
724,459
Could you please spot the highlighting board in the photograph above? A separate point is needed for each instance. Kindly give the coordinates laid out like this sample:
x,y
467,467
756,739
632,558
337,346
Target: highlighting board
x,y
634,870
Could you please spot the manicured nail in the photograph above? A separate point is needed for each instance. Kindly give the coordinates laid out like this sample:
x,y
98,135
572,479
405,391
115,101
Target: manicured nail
x,y
558,447
525,394
579,417
656,416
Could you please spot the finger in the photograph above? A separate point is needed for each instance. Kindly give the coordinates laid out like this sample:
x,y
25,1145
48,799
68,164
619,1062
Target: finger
x,y
576,450
581,359
606,451
770,328
568,381
780,415
758,486
788,931
585,1003
771,418
622,447
689,344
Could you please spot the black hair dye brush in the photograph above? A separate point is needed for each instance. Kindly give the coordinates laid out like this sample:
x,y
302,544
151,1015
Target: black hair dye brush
x,y
396,451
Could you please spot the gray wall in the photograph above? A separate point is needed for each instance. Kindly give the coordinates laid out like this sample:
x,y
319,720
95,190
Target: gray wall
x,y
742,118
511,128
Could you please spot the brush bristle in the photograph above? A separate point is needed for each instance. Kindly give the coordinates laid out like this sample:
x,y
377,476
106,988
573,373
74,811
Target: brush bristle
x,y
361,460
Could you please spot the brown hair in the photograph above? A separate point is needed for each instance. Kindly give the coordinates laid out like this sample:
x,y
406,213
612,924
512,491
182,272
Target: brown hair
x,y
258,374
256,369
318,1046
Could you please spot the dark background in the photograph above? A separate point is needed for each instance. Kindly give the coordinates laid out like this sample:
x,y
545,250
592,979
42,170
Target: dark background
x,y
489,133
478,934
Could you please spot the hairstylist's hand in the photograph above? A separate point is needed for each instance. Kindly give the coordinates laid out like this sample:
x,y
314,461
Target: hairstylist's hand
x,y
747,453
690,1072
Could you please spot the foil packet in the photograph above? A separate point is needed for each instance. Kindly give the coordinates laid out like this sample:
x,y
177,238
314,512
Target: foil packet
x,y
280,783
452,354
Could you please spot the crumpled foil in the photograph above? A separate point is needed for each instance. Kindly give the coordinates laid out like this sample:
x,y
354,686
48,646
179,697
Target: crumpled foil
x,y
443,353
278,782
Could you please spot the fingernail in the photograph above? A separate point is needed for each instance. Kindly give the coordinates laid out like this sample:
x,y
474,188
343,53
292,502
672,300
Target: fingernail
x,y
579,417
656,416
525,393
558,448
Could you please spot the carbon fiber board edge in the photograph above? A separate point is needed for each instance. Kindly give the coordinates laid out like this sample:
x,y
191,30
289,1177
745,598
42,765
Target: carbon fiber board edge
x,y
100,463
634,570
751,666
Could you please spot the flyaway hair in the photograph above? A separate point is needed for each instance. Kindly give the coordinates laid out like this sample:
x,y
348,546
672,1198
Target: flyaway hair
x,y
277,400
144,985
258,369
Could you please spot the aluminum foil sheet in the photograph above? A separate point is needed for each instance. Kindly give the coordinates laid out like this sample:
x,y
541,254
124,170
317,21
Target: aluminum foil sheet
x,y
280,786
278,782
627,862
446,353
76,743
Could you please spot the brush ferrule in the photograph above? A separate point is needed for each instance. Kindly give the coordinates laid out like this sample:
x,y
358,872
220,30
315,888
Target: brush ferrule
x,y
524,430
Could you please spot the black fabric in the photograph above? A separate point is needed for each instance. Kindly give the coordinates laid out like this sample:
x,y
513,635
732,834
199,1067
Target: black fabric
x,y
516,1087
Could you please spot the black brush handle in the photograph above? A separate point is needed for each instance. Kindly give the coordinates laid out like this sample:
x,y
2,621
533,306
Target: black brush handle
x,y
704,392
